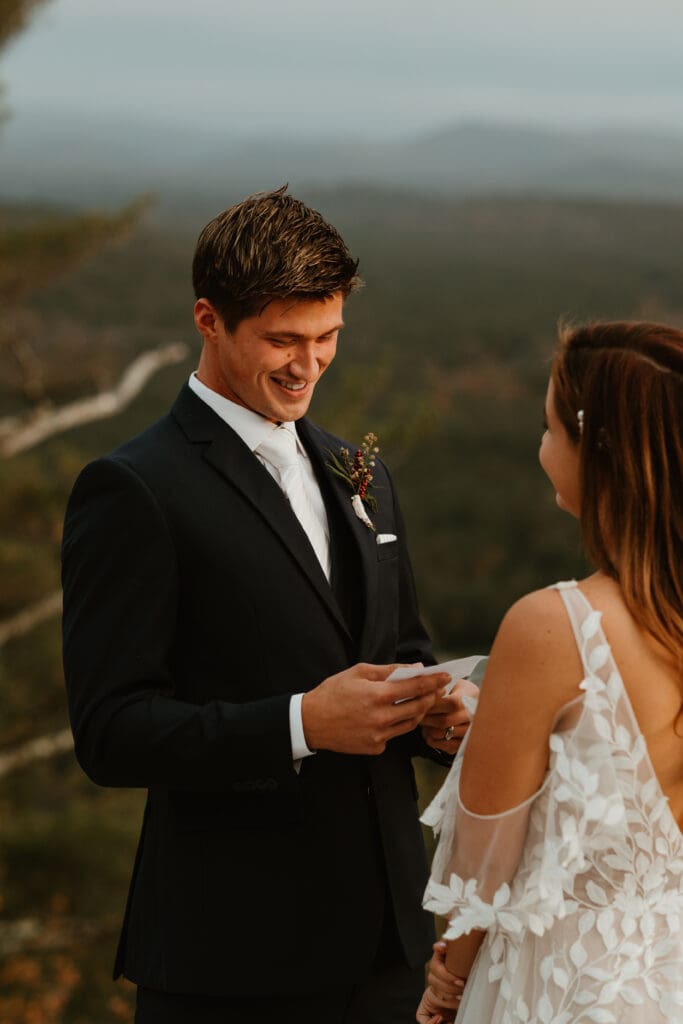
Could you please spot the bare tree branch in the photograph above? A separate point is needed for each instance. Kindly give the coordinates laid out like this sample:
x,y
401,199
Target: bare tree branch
x,y
17,434
28,618
36,750
54,743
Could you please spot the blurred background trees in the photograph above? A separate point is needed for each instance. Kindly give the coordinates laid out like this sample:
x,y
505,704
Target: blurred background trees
x,y
49,363
14,16
444,356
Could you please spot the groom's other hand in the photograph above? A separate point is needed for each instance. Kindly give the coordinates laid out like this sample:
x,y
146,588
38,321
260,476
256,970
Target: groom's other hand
x,y
358,711
448,721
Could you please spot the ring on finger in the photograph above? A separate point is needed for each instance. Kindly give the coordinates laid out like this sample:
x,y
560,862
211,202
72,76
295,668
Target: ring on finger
x,y
449,733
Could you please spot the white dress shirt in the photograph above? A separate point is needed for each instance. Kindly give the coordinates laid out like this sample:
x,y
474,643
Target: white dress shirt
x,y
253,429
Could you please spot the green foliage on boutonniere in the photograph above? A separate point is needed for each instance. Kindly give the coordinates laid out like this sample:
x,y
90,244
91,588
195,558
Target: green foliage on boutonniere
x,y
357,473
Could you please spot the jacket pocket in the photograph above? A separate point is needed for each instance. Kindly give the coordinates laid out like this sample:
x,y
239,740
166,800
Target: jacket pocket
x,y
387,551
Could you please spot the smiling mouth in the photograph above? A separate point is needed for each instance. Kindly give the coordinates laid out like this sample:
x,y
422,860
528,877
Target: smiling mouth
x,y
290,385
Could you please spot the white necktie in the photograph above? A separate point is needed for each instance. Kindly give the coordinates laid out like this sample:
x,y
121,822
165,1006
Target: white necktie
x,y
280,450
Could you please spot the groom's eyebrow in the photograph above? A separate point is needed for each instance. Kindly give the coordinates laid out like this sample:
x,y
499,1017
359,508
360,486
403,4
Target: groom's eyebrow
x,y
295,335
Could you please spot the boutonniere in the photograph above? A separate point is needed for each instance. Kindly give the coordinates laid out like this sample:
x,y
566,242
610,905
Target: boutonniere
x,y
357,473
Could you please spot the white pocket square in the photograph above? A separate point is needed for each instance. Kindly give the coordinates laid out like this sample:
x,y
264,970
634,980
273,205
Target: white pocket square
x,y
386,538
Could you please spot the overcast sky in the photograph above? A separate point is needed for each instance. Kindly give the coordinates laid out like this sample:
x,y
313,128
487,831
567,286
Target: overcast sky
x,y
374,68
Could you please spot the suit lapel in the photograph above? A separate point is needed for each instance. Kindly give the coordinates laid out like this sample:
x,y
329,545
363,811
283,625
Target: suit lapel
x,y
231,458
317,443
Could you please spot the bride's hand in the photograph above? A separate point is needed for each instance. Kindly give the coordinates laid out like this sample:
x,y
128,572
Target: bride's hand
x,y
449,718
447,988
431,1011
428,1011
440,1002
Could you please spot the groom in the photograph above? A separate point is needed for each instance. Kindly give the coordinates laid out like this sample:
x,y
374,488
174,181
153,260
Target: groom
x,y
230,620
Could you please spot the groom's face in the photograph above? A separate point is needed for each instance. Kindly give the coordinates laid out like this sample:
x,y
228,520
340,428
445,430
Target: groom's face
x,y
270,363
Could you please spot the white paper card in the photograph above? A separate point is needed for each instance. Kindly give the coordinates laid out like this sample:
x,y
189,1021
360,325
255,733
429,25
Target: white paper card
x,y
458,669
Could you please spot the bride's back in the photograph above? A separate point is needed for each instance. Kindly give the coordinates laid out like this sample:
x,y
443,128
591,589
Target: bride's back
x,y
653,683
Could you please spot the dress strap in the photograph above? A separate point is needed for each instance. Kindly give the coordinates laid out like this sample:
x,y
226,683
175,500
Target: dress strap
x,y
570,594
595,653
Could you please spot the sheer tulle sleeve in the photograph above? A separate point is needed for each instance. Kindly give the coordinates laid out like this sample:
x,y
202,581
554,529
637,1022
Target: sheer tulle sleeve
x,y
476,859
485,872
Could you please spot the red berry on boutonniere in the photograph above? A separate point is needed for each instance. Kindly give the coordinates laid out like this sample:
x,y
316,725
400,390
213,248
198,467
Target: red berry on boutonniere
x,y
357,473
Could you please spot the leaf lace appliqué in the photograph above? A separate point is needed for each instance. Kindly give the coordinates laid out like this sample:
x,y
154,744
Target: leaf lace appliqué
x,y
587,924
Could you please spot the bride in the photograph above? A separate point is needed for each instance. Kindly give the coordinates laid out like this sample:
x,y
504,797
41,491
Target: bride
x,y
560,858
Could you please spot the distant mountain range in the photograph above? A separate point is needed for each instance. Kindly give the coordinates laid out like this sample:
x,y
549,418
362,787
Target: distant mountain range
x,y
55,157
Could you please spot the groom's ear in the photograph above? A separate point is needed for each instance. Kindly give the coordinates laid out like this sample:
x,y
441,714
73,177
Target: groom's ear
x,y
207,319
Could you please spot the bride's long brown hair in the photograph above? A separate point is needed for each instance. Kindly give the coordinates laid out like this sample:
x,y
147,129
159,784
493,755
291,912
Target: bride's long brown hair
x,y
627,378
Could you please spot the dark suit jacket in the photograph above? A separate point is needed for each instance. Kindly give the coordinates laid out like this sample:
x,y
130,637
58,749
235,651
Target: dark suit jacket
x,y
194,607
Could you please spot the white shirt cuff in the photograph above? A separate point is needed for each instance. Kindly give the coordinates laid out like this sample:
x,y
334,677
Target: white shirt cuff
x,y
296,730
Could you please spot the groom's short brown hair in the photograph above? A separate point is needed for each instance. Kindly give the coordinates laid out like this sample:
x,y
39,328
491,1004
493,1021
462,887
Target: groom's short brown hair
x,y
269,246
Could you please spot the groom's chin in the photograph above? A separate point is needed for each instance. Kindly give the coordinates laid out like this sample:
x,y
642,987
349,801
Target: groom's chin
x,y
292,408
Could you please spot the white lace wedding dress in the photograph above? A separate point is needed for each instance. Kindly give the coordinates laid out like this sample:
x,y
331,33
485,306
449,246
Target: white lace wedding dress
x,y
580,888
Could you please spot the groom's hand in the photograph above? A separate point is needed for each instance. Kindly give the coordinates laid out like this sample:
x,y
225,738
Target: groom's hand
x,y
358,711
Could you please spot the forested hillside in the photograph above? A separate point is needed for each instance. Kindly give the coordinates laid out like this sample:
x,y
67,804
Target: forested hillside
x,y
444,356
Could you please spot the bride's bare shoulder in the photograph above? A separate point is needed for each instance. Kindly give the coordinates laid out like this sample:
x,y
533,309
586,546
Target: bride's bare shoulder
x,y
538,619
534,670
535,637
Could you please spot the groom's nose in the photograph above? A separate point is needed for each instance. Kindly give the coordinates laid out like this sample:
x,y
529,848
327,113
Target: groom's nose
x,y
305,365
